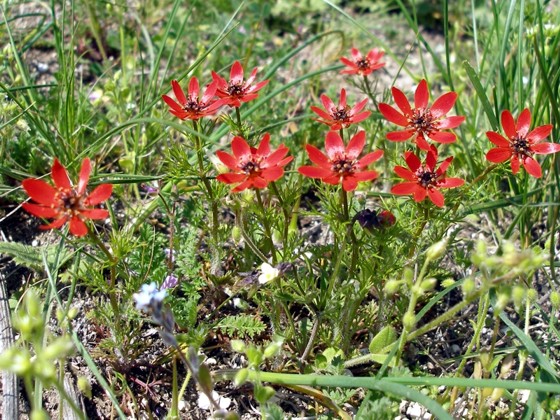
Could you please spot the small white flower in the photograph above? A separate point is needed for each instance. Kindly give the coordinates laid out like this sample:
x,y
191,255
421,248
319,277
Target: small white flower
x,y
148,295
268,273
204,402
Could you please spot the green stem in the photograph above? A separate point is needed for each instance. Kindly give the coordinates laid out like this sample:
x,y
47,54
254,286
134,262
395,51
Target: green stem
x,y
206,182
239,123
285,212
266,225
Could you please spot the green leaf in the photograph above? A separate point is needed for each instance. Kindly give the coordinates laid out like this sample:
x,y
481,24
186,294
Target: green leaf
x,y
383,339
31,256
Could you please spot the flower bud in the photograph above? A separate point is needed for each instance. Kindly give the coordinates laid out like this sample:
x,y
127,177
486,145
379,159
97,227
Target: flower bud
x,y
237,346
436,250
408,276
84,386
532,295
392,287
272,349
39,414
241,377
236,234
448,283
518,295
555,300
468,286
501,302
428,285
409,321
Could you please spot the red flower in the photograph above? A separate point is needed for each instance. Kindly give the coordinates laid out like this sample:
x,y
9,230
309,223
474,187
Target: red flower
x,y
425,180
253,167
520,144
363,65
341,163
65,202
421,121
341,116
237,90
192,107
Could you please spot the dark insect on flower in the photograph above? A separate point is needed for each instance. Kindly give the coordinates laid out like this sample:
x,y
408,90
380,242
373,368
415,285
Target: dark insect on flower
x,y
370,219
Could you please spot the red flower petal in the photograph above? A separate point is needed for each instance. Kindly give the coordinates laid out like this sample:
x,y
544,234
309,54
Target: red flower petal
x,y
365,175
83,180
360,117
342,100
60,176
322,114
356,145
240,148
327,103
228,160
314,171
317,156
436,197
349,183
539,133
401,101
498,155
95,214
393,115
99,194
532,167
358,107
515,164
236,73
443,104
39,191
442,137
178,91
405,173
370,158
412,161
444,165
399,135
172,104
78,227
524,122
194,89
497,139
272,174
56,224
451,122
264,146
450,183
421,96
39,210
334,145
405,188
231,178
508,124
545,148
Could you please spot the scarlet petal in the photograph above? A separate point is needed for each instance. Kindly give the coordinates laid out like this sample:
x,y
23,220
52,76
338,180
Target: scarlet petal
x,y
539,133
365,175
39,191
514,165
243,186
532,167
342,100
497,139
178,91
60,176
264,147
39,211
56,224
420,194
450,183
85,170
444,165
412,161
498,155
273,174
441,137
401,101
78,227
356,145
276,157
451,122
231,178
358,107
405,188
405,173
240,148
399,135
95,214
393,115
172,104
370,158
228,160
421,96
524,122
349,183
194,88
327,103
314,172
100,194
259,182
360,117
545,148
322,113
421,142
317,156
508,124
334,144
443,104
236,73
436,197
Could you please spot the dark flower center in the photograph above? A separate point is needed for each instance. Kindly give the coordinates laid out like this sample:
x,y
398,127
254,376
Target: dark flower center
x,y
194,106
344,166
521,147
236,89
340,114
72,202
426,177
422,121
363,63
251,167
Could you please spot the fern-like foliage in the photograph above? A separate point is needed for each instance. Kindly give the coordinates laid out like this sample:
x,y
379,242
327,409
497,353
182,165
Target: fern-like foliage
x,y
241,325
32,256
